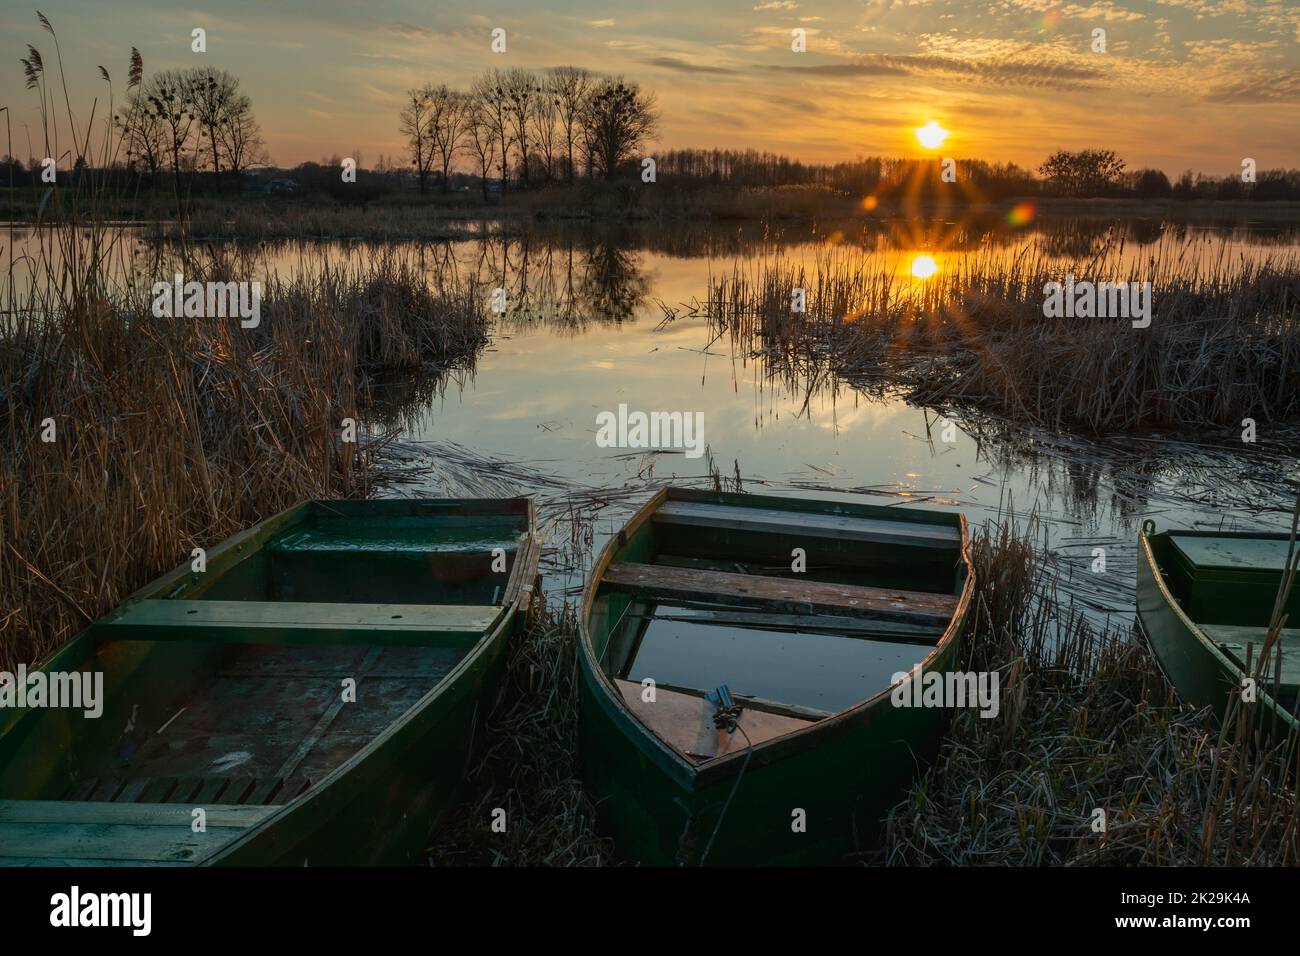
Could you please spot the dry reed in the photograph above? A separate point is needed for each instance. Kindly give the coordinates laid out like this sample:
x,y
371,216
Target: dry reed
x,y
170,434
1223,344
528,766
1087,723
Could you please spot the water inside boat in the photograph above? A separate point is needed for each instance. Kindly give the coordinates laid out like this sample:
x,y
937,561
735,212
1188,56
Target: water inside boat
x,y
823,670
707,595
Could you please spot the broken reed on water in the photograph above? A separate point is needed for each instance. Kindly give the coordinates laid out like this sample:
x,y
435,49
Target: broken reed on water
x,y
174,433
1223,343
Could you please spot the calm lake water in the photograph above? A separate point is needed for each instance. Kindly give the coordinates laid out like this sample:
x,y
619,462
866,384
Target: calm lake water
x,y
598,317
526,414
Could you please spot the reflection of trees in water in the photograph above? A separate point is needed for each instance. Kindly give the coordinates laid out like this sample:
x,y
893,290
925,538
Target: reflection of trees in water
x,y
399,401
566,250
1145,232
217,261
971,232
612,283
570,274
564,283
567,276
1077,239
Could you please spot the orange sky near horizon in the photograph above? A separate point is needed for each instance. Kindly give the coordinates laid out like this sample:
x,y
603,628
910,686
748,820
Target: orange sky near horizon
x,y
1181,84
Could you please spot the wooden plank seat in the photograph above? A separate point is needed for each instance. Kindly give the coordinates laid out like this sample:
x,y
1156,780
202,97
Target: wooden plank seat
x,y
1232,554
810,525
1232,640
83,833
788,595
458,625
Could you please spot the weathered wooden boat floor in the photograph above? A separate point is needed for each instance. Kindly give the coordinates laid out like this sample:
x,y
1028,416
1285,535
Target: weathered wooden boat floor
x,y
686,721
269,723
72,833
316,689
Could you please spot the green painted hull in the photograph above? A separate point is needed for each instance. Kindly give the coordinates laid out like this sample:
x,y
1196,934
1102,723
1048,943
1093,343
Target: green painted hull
x,y
844,773
1171,593
233,708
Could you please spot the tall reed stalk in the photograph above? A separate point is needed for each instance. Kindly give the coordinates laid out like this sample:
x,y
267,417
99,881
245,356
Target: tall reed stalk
x,y
128,439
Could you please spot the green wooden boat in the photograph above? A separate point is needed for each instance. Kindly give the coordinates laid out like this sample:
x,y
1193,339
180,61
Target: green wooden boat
x,y
1205,600
226,691
711,578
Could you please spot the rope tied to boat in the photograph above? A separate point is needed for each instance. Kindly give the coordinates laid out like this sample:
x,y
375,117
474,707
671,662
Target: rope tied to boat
x,y
726,716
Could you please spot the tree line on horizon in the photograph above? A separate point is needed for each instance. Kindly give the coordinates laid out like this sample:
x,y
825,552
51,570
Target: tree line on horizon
x,y
524,129
1090,173
192,120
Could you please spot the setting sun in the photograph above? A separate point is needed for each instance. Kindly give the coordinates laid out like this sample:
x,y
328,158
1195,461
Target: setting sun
x,y
931,135
924,266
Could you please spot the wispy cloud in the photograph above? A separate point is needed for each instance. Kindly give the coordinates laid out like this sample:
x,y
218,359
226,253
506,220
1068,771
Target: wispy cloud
x,y
1261,86
1030,71
682,66
412,31
1183,83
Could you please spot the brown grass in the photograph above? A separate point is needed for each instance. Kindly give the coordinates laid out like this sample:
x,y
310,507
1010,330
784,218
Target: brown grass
x,y
1224,343
529,767
1087,722
172,434
258,220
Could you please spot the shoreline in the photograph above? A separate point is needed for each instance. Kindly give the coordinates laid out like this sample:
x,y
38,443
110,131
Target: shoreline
x,y
415,216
